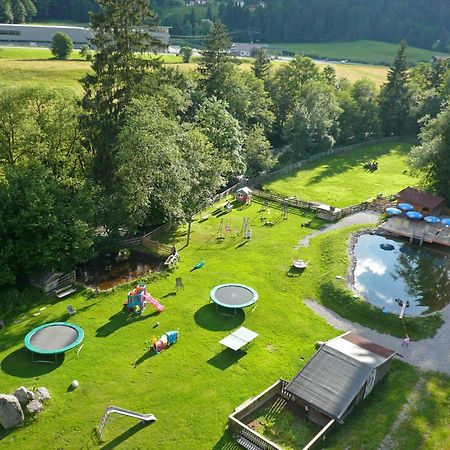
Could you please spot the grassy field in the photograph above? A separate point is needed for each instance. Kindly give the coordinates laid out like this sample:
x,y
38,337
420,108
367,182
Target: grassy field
x,y
342,181
370,52
24,66
194,385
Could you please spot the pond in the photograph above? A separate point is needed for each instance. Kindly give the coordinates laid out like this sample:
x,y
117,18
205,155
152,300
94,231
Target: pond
x,y
108,270
389,269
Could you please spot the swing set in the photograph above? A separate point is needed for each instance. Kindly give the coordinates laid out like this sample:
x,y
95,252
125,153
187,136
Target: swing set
x,y
232,226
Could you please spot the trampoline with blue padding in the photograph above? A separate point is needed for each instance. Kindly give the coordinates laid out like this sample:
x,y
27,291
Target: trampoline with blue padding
x,y
53,339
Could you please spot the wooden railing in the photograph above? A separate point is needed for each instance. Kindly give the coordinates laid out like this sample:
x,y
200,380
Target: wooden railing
x,y
238,428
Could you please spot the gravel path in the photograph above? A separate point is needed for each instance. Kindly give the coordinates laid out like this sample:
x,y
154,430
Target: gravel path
x,y
369,217
429,354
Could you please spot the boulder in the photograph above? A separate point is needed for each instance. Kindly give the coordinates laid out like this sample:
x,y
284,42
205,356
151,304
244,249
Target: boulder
x,y
11,413
42,394
24,395
34,407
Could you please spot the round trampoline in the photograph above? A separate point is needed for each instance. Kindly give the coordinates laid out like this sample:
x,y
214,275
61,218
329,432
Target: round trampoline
x,y
53,338
232,295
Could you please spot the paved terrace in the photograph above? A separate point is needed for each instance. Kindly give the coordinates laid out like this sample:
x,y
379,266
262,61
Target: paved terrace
x,y
418,229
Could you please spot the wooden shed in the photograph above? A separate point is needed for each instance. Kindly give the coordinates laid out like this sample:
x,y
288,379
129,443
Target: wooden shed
x,y
341,373
53,282
423,202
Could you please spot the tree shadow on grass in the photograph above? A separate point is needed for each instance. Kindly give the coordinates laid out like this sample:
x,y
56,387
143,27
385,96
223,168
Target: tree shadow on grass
x,y
19,363
342,163
210,318
125,435
119,320
226,358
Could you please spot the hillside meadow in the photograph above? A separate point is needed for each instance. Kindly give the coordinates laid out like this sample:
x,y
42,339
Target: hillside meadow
x,y
364,51
342,181
21,66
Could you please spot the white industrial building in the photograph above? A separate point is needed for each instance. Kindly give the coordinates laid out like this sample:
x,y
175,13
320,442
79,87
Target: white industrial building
x,y
42,35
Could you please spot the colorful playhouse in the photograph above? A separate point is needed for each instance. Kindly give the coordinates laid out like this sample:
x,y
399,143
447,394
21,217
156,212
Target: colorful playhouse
x,y
244,195
138,299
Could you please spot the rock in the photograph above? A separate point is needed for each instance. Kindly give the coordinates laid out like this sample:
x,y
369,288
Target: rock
x,y
11,413
24,395
42,394
34,407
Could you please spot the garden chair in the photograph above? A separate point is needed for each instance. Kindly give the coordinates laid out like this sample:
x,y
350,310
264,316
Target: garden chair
x,y
179,283
71,310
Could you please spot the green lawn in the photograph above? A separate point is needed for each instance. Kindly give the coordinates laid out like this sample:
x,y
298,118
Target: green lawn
x,y
193,386
370,52
24,66
342,181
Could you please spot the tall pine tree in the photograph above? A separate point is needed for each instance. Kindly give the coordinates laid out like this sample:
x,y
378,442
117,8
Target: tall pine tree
x,y
261,65
121,37
214,56
395,96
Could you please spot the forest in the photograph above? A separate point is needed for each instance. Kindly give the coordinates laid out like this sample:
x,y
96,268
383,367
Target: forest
x,y
422,23
148,144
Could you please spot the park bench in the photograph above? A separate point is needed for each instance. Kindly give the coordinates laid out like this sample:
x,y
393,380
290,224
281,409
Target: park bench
x,y
65,291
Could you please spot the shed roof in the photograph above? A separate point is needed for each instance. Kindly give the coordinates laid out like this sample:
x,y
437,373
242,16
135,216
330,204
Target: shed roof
x,y
246,190
419,197
336,373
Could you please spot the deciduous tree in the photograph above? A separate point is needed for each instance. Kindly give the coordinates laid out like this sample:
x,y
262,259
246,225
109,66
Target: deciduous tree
x,y
62,45
432,155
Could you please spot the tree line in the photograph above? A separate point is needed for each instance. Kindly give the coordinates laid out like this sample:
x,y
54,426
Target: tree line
x,y
147,143
422,23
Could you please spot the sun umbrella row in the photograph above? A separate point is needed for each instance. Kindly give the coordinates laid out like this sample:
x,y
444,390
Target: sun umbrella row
x,y
415,215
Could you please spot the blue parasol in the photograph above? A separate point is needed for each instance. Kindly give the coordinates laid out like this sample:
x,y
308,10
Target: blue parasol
x,y
446,221
405,206
414,215
432,219
393,211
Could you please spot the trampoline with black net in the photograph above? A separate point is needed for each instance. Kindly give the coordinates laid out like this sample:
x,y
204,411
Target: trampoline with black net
x,y
53,339
233,296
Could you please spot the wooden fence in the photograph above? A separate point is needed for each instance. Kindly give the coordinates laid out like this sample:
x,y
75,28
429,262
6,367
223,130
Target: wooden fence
x,y
149,240
241,431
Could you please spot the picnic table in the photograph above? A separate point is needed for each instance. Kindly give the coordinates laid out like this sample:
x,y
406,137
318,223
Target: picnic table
x,y
239,338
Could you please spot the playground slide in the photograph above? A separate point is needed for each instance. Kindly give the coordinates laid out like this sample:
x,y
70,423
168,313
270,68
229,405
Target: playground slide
x,y
154,302
127,412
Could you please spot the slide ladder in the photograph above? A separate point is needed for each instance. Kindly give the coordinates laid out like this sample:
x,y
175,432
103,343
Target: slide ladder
x,y
144,418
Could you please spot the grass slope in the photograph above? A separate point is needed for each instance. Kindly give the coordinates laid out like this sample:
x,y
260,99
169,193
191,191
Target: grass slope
x,y
341,180
194,385
24,66
370,52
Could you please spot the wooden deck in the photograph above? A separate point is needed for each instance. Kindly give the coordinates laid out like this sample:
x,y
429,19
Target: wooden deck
x,y
419,231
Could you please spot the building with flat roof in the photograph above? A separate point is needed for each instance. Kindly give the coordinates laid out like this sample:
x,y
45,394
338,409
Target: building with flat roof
x,y
42,35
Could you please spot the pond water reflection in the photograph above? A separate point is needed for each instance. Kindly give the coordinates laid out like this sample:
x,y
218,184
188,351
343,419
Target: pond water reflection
x,y
388,269
107,271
